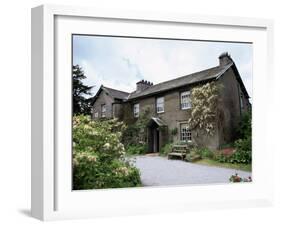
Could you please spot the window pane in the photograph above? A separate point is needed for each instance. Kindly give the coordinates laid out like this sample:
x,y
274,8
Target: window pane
x,y
185,100
160,104
103,110
185,134
136,110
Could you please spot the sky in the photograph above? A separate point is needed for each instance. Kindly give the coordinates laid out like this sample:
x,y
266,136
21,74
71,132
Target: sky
x,y
119,63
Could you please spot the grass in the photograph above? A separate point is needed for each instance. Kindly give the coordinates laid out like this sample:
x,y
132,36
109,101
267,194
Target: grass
x,y
238,166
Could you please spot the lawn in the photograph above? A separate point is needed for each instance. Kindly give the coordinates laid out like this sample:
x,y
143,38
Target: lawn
x,y
238,166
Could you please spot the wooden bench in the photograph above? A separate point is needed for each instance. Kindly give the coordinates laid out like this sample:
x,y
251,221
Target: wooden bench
x,y
178,151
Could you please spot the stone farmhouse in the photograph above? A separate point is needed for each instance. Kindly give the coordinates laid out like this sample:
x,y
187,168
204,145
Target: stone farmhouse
x,y
169,105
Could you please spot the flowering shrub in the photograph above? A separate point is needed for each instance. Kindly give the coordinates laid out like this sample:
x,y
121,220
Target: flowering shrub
x,y
237,178
204,99
98,155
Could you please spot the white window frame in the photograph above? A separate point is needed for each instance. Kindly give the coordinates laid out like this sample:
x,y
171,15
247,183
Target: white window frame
x,y
136,110
160,104
96,115
186,135
185,100
103,110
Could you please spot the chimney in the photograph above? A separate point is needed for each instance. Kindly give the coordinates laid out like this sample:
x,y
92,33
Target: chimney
x,y
225,59
142,85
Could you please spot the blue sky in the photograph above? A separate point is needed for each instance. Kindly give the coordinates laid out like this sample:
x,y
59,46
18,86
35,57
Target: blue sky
x,y
121,62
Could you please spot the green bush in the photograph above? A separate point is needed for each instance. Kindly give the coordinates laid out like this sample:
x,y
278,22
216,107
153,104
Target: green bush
x,y
243,153
166,149
205,153
98,155
193,155
220,157
243,145
136,149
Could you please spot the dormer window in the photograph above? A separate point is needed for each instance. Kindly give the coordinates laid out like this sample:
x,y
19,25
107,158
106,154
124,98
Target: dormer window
x,y
136,110
185,100
160,104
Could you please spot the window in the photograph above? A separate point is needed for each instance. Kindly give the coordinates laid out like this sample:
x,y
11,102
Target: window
x,y
136,110
185,133
185,100
96,114
160,104
103,110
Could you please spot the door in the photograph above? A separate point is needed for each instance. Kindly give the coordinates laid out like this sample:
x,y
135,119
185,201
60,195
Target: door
x,y
156,140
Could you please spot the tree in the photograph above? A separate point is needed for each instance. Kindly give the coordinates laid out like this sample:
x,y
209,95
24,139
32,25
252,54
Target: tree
x,y
204,99
81,104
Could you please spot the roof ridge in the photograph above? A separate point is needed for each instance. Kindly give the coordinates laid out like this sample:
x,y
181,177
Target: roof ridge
x,y
203,75
115,89
180,77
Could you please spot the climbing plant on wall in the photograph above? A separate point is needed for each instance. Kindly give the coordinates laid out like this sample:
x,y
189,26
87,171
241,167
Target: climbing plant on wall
x,y
204,99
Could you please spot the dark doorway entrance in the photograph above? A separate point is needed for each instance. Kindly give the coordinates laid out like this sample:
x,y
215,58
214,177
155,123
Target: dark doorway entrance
x,y
156,140
153,137
157,134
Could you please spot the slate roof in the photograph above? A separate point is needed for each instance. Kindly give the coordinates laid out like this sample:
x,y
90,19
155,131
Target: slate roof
x,y
209,74
117,94
114,93
201,76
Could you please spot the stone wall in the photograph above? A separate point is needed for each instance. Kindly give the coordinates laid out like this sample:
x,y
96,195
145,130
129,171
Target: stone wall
x,y
103,98
230,110
173,116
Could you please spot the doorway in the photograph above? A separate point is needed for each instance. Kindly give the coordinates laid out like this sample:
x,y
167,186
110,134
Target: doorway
x,y
153,138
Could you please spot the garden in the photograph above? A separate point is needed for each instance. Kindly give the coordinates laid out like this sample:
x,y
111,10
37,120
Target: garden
x,y
99,156
237,155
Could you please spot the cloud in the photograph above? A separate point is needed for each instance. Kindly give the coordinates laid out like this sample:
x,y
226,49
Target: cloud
x,y
121,62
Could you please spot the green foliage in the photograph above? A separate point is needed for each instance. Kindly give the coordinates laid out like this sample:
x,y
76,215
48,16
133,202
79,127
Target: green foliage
x,y
135,135
174,131
205,153
243,146
81,104
136,150
243,153
98,155
244,129
166,149
204,100
193,155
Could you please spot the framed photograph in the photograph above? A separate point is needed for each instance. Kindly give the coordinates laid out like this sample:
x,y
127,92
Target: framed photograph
x,y
136,113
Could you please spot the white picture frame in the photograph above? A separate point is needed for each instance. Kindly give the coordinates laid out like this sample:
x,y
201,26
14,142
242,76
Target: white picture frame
x,y
51,197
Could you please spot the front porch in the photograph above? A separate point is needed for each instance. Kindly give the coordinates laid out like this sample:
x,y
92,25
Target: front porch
x,y
157,135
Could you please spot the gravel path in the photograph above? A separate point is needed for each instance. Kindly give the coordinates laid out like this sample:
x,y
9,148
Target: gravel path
x,y
159,171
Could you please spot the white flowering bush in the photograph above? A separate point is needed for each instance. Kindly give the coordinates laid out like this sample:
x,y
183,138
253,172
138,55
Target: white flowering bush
x,y
204,100
98,155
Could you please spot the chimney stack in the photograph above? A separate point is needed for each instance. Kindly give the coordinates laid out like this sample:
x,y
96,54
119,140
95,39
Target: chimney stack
x,y
225,59
142,85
